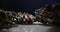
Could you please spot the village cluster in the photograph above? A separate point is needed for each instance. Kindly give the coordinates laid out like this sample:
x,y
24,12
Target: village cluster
x,y
46,15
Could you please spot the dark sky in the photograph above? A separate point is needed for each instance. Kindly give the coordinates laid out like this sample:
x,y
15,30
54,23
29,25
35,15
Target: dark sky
x,y
25,5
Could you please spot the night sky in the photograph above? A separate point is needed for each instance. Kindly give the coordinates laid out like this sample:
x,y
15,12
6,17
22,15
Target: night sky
x,y
25,5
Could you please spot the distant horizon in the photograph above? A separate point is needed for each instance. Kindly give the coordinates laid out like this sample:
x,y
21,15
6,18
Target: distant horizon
x,y
25,5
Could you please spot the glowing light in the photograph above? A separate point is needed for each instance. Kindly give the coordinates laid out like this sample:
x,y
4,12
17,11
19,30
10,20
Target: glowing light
x,y
26,16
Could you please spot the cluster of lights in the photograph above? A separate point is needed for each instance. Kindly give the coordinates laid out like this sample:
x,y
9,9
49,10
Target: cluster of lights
x,y
42,15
